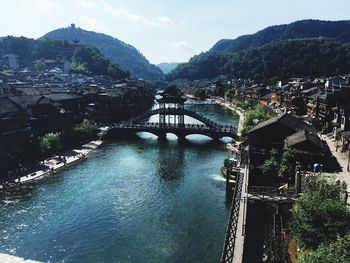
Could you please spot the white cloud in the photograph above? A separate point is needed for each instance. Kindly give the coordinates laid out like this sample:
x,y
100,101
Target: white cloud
x,y
183,45
164,20
87,3
120,13
43,5
92,24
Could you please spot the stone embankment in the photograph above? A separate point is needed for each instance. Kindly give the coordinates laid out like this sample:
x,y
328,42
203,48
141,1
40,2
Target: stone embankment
x,y
49,166
234,108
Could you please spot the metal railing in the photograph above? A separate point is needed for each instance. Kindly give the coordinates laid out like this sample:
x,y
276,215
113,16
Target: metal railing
x,y
272,193
156,125
230,239
179,111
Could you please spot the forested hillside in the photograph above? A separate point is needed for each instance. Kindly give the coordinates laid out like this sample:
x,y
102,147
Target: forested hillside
x,y
85,59
337,30
289,58
303,48
125,55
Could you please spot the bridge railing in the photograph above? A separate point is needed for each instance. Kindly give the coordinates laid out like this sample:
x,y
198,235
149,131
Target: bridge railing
x,y
155,125
263,192
175,111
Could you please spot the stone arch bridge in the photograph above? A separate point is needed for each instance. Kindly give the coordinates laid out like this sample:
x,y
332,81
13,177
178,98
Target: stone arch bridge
x,y
207,127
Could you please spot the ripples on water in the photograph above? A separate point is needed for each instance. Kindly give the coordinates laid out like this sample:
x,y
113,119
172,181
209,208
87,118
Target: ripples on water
x,y
134,200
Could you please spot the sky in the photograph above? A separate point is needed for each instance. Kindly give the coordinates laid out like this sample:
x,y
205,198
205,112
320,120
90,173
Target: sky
x,y
163,30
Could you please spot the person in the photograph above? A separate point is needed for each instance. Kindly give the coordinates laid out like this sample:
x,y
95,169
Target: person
x,y
316,167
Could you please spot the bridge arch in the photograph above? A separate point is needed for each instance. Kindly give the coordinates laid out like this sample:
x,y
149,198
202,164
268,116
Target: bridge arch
x,y
178,111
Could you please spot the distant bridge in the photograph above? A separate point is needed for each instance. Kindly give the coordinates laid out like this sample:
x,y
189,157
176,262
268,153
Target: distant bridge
x,y
208,127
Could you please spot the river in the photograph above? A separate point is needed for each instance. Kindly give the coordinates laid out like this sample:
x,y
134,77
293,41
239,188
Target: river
x,y
133,200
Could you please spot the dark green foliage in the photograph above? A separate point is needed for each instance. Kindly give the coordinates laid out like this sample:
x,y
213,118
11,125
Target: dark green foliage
x,y
85,59
338,30
113,49
200,93
284,59
116,72
50,143
271,166
39,65
257,114
320,214
286,167
20,46
279,166
88,60
229,94
84,131
247,104
53,50
337,251
205,65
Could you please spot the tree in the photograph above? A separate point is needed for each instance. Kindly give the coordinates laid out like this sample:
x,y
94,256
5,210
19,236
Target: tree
x,y
278,165
50,143
116,72
286,165
89,60
39,65
271,166
337,251
252,117
229,94
320,215
84,131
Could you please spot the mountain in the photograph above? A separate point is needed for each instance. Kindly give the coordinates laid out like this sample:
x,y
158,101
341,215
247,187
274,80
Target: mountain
x,y
338,30
115,50
319,48
167,67
284,59
85,59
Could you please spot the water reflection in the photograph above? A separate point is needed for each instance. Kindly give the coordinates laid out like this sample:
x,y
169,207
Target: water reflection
x,y
134,200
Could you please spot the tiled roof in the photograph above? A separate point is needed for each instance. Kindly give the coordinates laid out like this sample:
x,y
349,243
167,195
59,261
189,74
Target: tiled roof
x,y
288,121
7,106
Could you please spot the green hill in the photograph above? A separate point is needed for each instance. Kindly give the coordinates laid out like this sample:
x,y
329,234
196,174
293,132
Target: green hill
x,y
85,59
302,48
338,30
125,55
284,59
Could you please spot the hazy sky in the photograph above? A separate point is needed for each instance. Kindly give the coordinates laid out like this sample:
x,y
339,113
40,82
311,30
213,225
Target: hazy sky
x,y
163,30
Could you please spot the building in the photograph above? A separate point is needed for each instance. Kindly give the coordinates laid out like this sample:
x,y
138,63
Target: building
x,y
172,98
279,133
14,133
11,61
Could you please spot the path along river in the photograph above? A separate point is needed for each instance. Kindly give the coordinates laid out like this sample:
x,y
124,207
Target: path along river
x,y
134,200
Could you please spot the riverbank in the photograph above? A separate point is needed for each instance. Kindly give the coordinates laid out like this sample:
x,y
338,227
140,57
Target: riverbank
x,y
51,165
4,258
234,108
130,193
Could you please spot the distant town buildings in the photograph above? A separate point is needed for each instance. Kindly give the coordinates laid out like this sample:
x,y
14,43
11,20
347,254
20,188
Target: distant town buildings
x,y
11,61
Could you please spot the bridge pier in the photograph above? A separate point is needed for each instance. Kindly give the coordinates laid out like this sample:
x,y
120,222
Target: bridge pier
x,y
181,138
161,137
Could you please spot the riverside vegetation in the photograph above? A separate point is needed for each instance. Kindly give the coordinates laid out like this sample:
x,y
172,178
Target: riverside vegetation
x,y
307,48
320,222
